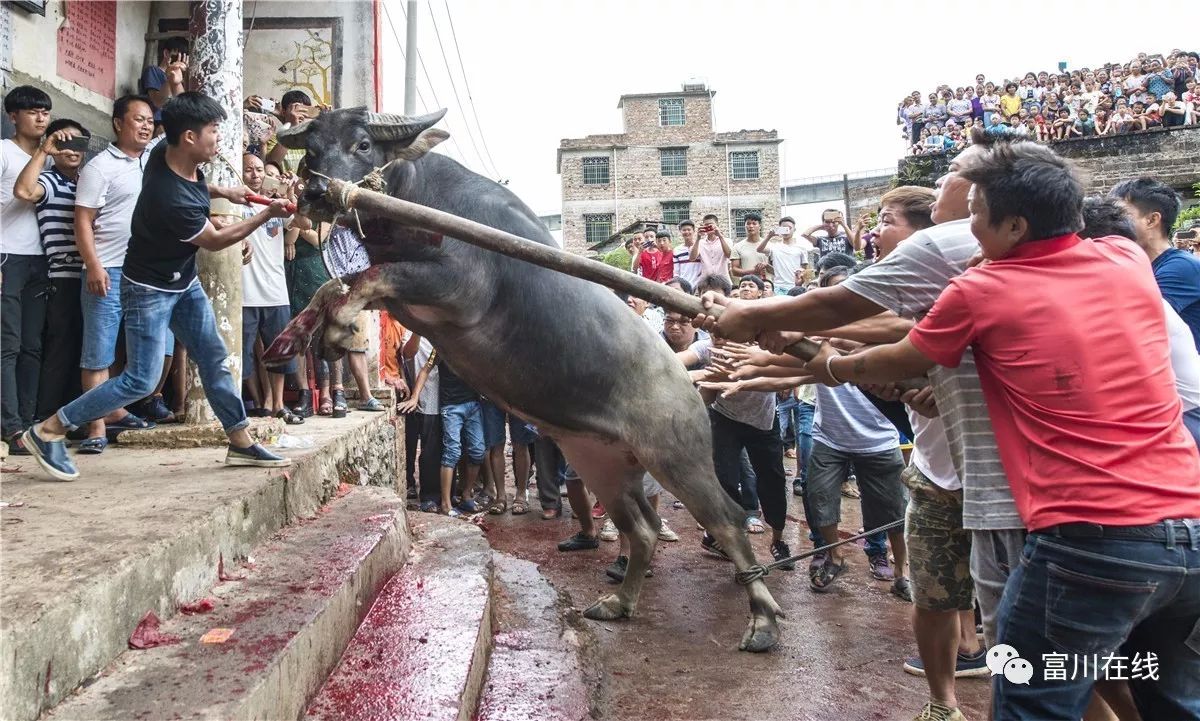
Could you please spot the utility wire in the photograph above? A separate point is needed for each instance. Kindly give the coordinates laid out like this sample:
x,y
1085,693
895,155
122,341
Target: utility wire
x,y
454,87
467,87
420,97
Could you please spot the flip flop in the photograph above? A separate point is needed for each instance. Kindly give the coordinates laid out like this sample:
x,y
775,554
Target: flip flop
x,y
754,525
92,446
822,580
289,417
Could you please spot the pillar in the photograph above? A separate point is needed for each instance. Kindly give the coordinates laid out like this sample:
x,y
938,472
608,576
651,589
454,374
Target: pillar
x,y
216,70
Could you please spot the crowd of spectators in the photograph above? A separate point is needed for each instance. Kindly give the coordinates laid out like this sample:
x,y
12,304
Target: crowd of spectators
x,y
1150,91
1002,465
71,240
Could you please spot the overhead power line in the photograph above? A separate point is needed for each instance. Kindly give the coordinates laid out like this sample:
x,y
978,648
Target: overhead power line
x,y
467,87
454,88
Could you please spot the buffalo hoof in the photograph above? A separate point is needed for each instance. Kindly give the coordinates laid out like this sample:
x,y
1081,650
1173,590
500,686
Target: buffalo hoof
x,y
284,348
608,608
761,635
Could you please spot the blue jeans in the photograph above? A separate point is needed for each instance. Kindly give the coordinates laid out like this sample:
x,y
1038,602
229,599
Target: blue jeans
x,y
458,421
1076,597
149,314
102,317
795,423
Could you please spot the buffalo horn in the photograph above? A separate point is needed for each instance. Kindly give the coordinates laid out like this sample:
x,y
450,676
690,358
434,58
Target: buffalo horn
x,y
390,127
295,137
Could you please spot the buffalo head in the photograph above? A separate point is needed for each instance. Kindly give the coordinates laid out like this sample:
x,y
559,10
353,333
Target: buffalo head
x,y
348,144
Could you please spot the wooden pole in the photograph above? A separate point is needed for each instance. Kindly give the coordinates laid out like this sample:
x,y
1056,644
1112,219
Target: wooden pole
x,y
347,196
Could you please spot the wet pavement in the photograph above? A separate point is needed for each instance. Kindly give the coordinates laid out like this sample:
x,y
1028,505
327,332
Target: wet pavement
x,y
839,658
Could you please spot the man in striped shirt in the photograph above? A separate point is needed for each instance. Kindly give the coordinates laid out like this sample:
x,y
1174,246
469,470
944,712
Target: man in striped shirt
x,y
52,192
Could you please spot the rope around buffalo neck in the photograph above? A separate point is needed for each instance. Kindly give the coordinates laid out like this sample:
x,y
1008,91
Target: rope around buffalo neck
x,y
757,571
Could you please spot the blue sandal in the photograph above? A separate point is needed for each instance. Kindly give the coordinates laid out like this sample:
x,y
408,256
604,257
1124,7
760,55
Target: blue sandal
x,y
92,446
129,423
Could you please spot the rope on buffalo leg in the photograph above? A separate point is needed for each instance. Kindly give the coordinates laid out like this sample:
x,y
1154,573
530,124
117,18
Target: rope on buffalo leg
x,y
757,571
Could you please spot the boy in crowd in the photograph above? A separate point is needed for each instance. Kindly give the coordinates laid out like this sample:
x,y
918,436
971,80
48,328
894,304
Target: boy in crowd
x,y
52,193
833,240
23,280
747,257
1154,206
686,266
462,420
266,309
164,81
170,224
423,421
789,256
712,250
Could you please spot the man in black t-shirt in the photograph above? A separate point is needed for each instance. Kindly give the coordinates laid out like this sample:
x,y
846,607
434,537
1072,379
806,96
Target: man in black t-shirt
x,y
836,238
161,290
462,420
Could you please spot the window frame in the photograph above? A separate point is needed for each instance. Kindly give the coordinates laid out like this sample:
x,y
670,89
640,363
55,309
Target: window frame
x,y
676,153
675,219
738,220
664,115
741,154
596,161
596,217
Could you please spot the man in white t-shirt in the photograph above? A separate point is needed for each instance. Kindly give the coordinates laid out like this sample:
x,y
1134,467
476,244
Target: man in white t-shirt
x,y
687,263
789,256
266,309
747,258
422,420
25,280
108,190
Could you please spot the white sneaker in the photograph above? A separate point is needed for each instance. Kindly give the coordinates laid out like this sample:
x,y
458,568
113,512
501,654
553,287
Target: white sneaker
x,y
609,532
666,534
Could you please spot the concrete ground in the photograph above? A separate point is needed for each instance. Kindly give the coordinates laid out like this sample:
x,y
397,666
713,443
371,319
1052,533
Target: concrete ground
x,y
840,655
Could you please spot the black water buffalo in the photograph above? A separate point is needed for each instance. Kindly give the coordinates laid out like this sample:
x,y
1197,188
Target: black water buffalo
x,y
562,353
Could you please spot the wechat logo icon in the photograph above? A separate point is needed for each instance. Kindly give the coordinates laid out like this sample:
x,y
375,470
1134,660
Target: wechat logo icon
x,y
1004,660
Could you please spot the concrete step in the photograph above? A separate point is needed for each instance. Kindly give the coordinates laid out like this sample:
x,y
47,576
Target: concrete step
x,y
542,664
421,652
145,529
299,604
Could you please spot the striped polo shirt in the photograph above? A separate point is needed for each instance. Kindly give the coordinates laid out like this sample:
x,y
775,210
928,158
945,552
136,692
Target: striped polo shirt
x,y
56,223
908,282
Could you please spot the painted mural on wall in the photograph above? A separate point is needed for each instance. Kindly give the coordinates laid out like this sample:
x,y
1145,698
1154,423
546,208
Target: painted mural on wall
x,y
283,59
87,44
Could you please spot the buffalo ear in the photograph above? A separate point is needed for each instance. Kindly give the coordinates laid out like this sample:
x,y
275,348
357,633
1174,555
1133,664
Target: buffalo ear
x,y
420,145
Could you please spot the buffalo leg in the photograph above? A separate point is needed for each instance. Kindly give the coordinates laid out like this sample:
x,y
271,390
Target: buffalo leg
x,y
693,481
636,519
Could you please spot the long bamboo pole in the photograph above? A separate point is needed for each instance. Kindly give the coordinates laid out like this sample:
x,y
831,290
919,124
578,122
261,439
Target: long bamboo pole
x,y
347,196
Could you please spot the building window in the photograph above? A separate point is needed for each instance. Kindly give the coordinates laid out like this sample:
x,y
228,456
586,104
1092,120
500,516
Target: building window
x,y
597,228
743,165
595,171
676,211
673,161
670,111
739,219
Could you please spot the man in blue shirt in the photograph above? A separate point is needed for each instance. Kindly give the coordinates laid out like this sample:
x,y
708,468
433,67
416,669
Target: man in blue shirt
x,y
1154,206
163,81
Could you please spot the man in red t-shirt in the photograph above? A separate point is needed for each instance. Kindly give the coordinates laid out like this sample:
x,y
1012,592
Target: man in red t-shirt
x,y
1071,346
657,262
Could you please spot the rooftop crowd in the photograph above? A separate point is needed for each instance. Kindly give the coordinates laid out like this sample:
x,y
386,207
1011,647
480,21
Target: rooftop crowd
x,y
1045,474
1147,92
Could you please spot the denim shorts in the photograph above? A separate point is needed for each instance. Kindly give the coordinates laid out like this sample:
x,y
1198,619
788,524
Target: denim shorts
x,y
519,432
102,318
269,322
462,421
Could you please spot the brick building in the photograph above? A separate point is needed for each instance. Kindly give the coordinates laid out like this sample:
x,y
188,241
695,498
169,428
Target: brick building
x,y
668,165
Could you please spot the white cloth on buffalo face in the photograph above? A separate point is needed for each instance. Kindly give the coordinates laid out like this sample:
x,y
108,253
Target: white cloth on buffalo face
x,y
344,254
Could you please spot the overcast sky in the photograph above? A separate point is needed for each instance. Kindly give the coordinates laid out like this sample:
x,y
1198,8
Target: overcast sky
x,y
826,75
